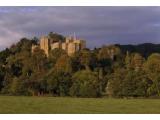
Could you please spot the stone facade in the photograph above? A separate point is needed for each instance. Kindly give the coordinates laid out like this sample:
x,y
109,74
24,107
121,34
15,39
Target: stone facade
x,y
44,45
71,45
55,45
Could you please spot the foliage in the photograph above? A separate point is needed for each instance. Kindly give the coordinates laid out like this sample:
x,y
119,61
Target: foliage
x,y
55,37
54,56
114,70
64,63
58,83
85,84
132,84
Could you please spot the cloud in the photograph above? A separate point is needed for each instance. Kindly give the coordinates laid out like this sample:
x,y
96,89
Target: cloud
x,y
98,25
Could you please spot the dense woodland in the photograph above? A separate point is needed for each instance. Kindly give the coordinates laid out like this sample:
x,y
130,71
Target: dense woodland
x,y
112,70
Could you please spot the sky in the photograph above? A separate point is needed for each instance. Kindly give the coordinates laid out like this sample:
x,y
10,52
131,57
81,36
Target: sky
x,y
97,25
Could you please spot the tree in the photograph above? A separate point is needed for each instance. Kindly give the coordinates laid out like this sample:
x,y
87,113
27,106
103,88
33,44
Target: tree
x,y
109,52
3,56
18,87
124,83
55,37
87,59
34,84
108,58
59,83
135,84
115,81
154,88
85,84
104,58
54,55
39,60
64,64
36,71
137,61
134,61
152,67
23,45
2,75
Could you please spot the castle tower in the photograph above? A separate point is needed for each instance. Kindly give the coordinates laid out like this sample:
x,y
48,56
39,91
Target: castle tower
x,y
65,46
73,45
80,44
44,45
71,48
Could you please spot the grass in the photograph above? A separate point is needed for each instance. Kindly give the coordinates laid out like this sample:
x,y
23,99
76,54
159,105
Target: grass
x,y
57,105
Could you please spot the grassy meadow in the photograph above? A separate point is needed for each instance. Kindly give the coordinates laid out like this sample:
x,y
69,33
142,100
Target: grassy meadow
x,y
58,105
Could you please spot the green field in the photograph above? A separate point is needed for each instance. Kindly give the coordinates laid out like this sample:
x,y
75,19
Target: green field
x,y
51,105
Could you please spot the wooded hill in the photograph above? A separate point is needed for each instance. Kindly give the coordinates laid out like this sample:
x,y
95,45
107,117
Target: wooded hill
x,y
112,70
145,49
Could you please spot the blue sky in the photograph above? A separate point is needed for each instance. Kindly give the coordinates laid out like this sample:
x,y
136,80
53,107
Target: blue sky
x,y
97,25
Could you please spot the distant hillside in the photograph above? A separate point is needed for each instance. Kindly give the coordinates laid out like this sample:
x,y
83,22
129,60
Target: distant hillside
x,y
144,49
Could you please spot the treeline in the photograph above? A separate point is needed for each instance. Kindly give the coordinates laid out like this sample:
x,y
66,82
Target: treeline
x,y
107,71
145,49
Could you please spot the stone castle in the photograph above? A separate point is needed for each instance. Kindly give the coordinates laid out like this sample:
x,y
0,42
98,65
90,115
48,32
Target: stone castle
x,y
71,45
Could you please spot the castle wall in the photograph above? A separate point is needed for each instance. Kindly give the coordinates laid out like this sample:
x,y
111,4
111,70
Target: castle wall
x,y
71,48
65,46
71,45
44,45
56,45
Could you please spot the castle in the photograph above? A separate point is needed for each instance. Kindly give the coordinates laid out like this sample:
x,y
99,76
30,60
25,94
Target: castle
x,y
71,45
